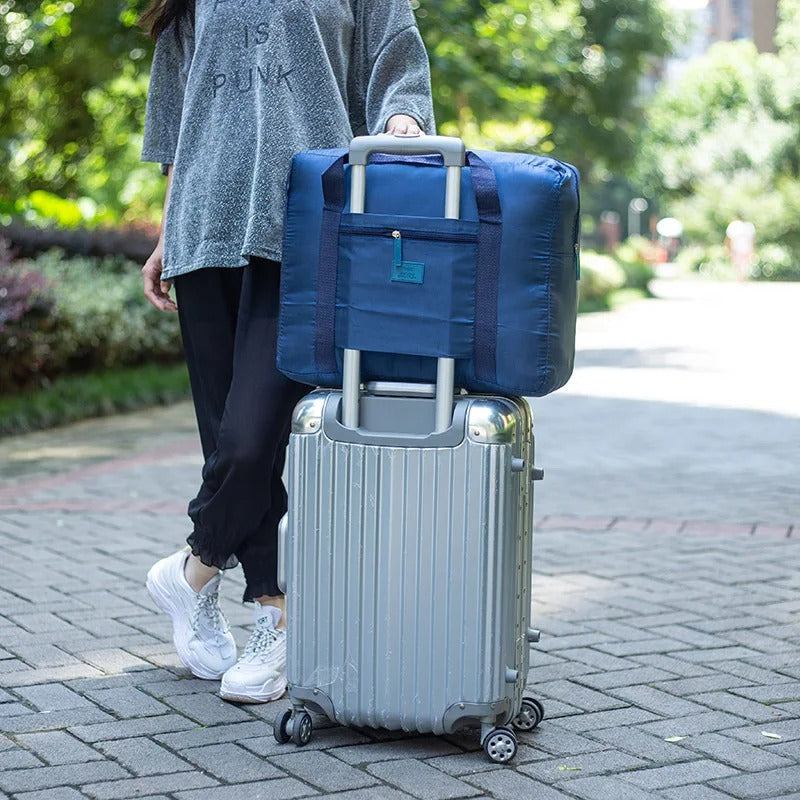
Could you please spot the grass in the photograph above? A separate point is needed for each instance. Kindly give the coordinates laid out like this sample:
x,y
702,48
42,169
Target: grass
x,y
75,397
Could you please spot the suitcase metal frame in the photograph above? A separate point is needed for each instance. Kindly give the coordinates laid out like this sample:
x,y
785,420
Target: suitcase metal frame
x,y
369,655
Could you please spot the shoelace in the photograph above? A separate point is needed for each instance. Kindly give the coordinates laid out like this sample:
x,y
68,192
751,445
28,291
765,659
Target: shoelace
x,y
207,608
262,638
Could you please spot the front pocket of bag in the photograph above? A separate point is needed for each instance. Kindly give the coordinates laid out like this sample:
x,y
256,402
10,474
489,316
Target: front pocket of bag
x,y
406,285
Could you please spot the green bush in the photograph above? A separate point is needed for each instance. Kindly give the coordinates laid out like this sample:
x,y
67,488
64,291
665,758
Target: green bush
x,y
634,255
92,315
25,306
775,263
601,275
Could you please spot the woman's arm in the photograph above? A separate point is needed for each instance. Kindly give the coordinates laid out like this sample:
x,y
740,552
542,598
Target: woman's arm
x,y
390,78
171,62
156,290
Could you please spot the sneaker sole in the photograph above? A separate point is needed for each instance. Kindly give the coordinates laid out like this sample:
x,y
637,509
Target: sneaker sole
x,y
233,697
165,604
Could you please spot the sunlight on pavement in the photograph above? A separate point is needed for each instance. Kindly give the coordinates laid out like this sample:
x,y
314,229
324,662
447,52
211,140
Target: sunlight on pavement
x,y
712,345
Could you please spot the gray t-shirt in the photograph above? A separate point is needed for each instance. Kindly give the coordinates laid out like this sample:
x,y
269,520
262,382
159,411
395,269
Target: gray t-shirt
x,y
249,84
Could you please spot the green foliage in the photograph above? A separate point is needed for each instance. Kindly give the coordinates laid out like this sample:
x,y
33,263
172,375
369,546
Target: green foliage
x,y
635,256
73,81
74,397
775,263
723,143
601,276
549,75
554,75
97,318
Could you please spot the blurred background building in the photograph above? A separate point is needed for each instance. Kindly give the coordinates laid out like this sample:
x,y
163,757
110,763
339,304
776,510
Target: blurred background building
x,y
710,21
744,19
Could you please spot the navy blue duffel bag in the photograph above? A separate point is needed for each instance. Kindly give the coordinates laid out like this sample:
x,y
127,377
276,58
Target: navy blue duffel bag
x,y
496,289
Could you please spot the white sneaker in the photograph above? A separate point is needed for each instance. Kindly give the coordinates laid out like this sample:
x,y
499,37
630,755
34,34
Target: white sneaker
x,y
201,633
260,674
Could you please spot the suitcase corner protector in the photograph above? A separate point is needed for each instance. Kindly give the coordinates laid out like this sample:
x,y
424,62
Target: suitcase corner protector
x,y
307,415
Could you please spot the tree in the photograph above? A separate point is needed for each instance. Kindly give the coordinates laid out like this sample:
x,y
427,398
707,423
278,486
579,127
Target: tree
x,y
74,82
724,141
557,76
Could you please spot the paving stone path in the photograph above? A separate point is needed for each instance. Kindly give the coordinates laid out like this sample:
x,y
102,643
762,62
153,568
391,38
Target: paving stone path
x,y
666,585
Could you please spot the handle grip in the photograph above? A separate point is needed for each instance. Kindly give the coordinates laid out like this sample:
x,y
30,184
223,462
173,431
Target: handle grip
x,y
450,148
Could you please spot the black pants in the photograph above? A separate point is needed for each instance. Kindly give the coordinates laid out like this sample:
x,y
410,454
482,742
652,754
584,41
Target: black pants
x,y
229,324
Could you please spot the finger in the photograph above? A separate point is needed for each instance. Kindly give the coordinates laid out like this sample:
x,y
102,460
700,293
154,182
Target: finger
x,y
150,292
166,288
153,293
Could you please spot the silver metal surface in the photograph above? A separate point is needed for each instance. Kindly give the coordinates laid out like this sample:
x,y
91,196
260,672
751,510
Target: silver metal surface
x,y
351,388
445,382
491,421
307,414
446,367
358,188
449,147
411,529
283,527
452,195
401,389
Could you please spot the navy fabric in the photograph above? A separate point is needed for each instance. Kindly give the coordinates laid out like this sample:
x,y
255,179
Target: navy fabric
x,y
521,285
426,309
490,237
350,327
333,192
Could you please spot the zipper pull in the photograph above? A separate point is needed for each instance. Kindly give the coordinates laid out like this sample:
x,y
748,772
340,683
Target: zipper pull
x,y
398,248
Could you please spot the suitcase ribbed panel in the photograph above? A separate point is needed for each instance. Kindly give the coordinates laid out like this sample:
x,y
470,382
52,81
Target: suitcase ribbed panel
x,y
405,580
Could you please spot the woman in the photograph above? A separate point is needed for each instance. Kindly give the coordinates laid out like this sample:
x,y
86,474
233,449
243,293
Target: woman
x,y
237,87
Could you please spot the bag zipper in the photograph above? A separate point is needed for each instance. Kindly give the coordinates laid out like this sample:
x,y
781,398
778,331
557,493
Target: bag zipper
x,y
396,234
576,230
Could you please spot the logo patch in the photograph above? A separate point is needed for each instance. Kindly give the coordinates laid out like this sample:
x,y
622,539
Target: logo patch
x,y
408,272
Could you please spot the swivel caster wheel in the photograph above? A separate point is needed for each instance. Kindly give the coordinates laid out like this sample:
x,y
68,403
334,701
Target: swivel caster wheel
x,y
530,715
279,727
500,745
301,728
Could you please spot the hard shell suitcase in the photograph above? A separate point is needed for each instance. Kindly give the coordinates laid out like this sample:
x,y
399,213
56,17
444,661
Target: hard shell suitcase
x,y
406,556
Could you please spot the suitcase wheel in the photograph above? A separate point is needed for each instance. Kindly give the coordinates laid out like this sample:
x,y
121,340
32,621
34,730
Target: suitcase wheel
x,y
301,728
279,730
530,715
500,745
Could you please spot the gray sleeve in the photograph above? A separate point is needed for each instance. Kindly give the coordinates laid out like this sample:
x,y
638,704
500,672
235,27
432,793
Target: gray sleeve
x,y
168,74
393,76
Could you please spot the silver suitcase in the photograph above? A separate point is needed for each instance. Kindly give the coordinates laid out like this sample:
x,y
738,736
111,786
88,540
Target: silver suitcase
x,y
406,550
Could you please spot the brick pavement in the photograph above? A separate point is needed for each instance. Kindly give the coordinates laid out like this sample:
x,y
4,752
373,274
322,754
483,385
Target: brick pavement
x,y
669,663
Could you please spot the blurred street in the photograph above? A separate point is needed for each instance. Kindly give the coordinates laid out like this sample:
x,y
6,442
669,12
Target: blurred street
x,y
666,577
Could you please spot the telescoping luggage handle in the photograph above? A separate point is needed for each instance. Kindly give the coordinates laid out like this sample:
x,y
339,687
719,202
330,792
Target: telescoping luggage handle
x,y
453,153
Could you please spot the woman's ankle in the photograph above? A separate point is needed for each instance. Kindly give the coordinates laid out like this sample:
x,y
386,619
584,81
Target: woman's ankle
x,y
278,601
197,573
